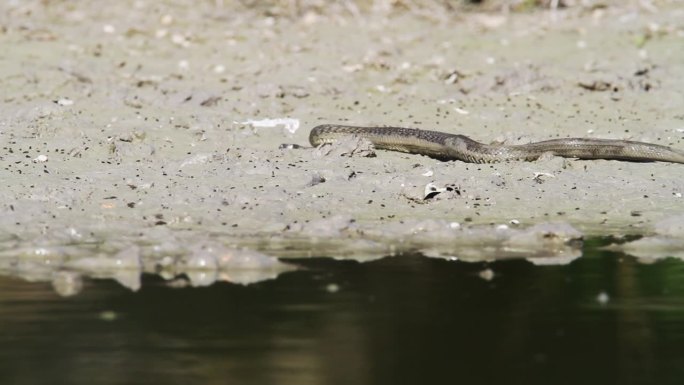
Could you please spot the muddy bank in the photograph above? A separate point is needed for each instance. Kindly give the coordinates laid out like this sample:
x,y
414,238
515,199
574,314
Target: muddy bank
x,y
149,120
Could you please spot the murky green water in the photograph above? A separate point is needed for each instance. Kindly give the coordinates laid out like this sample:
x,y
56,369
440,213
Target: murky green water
x,y
603,319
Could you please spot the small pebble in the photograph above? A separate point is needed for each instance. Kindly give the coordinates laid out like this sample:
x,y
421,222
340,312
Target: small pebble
x,y
219,68
180,40
167,19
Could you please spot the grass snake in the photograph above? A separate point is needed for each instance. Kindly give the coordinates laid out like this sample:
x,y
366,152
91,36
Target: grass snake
x,y
445,146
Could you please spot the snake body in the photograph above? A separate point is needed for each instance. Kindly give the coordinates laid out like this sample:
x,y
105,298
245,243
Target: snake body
x,y
445,146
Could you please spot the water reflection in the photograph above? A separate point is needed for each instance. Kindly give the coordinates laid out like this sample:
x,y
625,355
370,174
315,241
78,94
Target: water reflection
x,y
201,264
190,258
405,319
206,262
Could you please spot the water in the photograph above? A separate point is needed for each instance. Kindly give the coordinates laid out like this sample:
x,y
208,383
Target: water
x,y
603,319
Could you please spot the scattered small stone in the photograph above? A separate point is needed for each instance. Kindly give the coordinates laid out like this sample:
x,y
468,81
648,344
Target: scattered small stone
x,y
219,68
299,92
211,101
431,190
453,77
167,19
316,179
596,85
290,146
352,68
184,65
539,176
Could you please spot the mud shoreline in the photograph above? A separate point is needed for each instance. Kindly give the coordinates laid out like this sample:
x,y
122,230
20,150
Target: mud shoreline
x,y
138,126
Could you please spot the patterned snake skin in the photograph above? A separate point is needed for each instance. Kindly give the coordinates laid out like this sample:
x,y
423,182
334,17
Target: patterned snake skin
x,y
445,146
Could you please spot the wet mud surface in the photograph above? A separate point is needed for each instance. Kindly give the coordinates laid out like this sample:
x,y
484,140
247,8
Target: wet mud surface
x,y
148,130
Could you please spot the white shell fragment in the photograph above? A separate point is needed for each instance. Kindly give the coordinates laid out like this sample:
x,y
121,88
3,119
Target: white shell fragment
x,y
290,124
541,175
431,190
65,102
